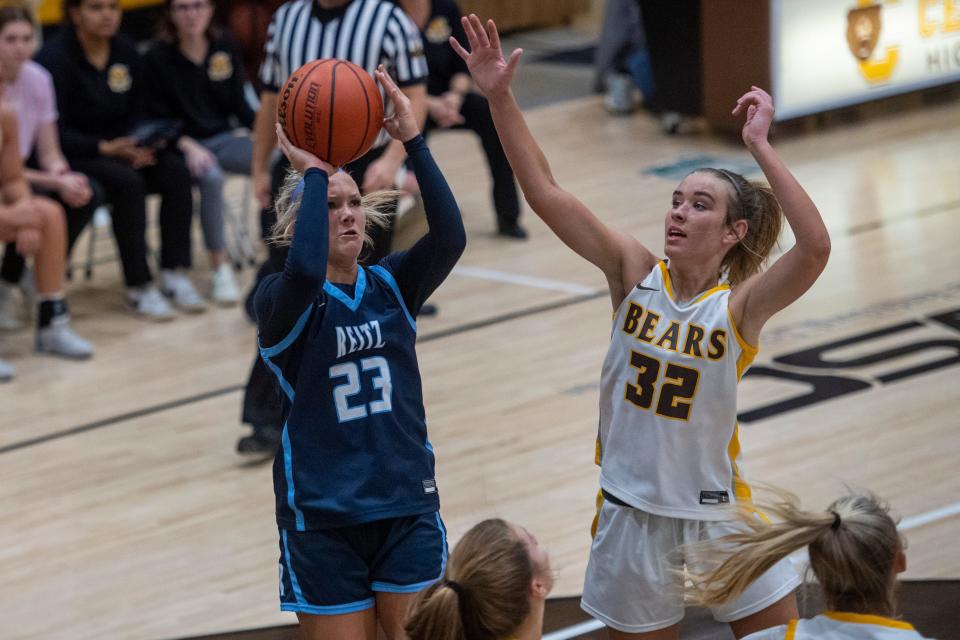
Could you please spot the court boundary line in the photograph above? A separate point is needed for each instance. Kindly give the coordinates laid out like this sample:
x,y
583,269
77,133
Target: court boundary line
x,y
494,275
215,393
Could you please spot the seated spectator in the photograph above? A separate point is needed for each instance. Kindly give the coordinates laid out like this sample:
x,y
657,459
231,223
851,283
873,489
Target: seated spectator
x,y
99,87
194,74
28,92
36,225
452,104
855,553
495,586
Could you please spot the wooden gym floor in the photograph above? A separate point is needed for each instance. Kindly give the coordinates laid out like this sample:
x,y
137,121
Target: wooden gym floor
x,y
125,513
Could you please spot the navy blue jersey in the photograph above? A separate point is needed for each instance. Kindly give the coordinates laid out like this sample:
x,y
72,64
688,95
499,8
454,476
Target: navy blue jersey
x,y
354,445
353,399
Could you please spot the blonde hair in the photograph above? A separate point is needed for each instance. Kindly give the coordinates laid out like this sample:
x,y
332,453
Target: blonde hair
x,y
485,593
853,548
756,203
377,207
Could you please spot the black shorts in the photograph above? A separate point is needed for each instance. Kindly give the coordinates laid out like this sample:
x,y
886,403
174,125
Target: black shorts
x,y
336,571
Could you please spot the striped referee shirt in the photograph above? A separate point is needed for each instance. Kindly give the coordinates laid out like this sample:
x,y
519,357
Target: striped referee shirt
x,y
365,32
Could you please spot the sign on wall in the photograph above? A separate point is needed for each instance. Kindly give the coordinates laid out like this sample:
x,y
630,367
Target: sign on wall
x,y
833,53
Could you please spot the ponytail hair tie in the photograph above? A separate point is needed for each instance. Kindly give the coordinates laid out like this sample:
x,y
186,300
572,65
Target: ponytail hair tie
x,y
455,587
836,521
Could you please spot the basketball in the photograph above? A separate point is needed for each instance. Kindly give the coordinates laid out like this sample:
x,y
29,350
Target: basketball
x,y
331,108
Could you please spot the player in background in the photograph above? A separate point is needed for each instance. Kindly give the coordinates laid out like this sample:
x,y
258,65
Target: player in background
x,y
357,502
685,329
855,553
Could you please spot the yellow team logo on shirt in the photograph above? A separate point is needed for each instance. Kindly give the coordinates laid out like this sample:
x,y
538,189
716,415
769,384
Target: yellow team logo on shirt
x,y
220,67
438,30
118,78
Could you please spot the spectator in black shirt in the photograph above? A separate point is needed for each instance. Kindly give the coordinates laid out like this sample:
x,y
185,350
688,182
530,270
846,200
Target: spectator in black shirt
x,y
194,74
99,88
452,105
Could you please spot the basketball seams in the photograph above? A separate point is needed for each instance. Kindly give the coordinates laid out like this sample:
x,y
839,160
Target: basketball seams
x,y
291,103
333,90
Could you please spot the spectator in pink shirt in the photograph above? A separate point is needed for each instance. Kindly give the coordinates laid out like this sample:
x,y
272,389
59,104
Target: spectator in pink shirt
x,y
28,92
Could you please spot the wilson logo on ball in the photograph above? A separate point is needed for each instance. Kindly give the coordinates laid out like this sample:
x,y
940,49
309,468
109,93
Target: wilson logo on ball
x,y
331,108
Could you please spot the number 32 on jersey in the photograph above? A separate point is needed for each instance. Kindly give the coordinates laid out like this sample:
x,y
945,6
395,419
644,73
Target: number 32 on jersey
x,y
675,394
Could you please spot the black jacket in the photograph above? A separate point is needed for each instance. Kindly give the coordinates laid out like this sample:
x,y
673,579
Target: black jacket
x,y
94,104
205,98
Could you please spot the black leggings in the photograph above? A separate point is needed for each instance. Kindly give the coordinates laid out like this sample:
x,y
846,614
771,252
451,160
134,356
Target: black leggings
x,y
77,219
126,189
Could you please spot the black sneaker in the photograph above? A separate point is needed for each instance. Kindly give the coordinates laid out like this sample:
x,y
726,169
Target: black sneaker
x,y
514,231
428,310
263,442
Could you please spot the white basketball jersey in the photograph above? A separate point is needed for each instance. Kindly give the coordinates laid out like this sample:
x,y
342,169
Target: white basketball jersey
x,y
835,625
668,440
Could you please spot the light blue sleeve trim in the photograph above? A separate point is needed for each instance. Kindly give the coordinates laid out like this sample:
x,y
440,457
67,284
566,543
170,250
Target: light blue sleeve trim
x,y
288,474
387,277
293,576
287,389
358,289
332,610
269,352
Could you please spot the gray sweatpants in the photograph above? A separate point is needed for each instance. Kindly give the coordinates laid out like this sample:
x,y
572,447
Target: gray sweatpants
x,y
234,151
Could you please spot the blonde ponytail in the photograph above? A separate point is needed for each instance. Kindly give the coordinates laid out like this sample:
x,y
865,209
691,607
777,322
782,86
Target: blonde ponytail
x,y
853,547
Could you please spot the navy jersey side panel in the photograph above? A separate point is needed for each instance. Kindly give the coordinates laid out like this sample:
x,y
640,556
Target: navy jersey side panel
x,y
354,446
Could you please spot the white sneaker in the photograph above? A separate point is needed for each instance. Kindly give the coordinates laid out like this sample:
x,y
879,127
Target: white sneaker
x,y
180,290
6,371
59,339
225,291
149,303
9,309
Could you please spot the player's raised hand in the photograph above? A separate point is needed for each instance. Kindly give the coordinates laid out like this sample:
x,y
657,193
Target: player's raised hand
x,y
402,125
300,159
491,73
759,108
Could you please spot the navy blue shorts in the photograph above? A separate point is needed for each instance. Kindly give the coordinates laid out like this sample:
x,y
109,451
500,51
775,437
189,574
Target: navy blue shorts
x,y
336,571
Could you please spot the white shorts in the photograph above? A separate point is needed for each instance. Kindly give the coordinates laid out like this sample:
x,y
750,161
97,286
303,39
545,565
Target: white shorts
x,y
633,583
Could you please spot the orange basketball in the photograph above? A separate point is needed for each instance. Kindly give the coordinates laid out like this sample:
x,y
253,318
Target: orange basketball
x,y
331,108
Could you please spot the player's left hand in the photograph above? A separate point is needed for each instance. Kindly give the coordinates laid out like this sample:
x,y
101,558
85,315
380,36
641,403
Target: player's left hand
x,y
402,125
759,108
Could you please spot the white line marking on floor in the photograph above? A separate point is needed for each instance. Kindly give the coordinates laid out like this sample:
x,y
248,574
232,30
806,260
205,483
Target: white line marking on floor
x,y
930,516
575,631
528,281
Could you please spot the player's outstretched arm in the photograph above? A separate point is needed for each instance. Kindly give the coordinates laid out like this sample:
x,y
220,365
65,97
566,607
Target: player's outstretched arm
x,y
569,218
763,295
282,299
421,269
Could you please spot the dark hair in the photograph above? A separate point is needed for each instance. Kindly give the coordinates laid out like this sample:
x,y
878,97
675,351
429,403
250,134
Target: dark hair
x,y
485,593
72,4
756,203
167,31
16,13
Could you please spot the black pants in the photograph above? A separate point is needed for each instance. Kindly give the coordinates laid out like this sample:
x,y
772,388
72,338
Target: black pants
x,y
126,189
261,398
477,118
77,220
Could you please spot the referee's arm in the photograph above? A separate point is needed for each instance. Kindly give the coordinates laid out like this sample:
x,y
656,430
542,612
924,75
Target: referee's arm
x,y
264,142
